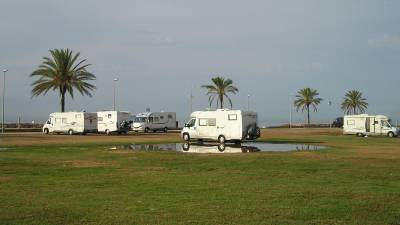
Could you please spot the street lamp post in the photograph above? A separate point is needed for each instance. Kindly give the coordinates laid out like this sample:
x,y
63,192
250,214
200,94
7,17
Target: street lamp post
x,y
115,87
4,93
248,102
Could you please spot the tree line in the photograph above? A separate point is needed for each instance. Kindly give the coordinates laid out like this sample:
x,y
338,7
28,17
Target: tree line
x,y
64,73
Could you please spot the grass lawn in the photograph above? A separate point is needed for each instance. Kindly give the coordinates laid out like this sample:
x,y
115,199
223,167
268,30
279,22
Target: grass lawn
x,y
79,180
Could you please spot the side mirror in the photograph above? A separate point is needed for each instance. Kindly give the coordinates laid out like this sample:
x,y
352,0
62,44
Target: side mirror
x,y
48,122
186,125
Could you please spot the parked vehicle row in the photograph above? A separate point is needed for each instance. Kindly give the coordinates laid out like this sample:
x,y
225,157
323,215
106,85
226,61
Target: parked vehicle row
x,y
109,122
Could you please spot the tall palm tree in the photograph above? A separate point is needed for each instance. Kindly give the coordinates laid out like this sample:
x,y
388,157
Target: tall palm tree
x,y
354,103
220,89
62,72
305,98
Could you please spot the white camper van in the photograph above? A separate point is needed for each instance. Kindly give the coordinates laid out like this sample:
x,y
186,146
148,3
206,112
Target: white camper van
x,y
222,125
113,122
365,124
71,123
154,121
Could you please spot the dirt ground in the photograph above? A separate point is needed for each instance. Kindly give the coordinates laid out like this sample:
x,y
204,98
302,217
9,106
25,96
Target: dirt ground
x,y
38,139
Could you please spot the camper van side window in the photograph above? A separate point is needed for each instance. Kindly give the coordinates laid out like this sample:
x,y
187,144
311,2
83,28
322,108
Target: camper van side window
x,y
202,122
212,122
161,117
350,122
100,119
155,119
64,120
109,116
77,115
232,117
169,116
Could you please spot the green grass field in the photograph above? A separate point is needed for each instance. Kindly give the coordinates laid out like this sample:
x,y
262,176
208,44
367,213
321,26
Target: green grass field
x,y
354,181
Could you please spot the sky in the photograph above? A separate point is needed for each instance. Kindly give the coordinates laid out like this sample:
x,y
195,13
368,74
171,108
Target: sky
x,y
163,50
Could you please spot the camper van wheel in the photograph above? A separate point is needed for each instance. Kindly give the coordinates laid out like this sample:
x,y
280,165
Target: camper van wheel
x,y
391,134
108,132
221,139
165,129
70,132
146,130
46,131
359,134
186,137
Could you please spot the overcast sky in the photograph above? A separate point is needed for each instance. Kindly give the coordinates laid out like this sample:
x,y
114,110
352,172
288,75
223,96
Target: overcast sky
x,y
162,49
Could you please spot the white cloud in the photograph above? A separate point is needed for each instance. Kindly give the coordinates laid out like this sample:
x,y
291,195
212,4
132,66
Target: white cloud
x,y
385,41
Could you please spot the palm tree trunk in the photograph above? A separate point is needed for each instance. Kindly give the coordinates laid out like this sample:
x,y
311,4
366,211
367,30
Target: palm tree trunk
x,y
221,99
308,114
62,102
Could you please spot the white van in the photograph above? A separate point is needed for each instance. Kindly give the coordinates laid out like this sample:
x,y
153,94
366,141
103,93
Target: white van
x,y
222,125
71,123
113,122
365,124
154,121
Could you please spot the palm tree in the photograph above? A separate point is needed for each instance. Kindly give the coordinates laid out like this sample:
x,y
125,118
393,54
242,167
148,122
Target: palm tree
x,y
305,98
354,103
62,72
220,89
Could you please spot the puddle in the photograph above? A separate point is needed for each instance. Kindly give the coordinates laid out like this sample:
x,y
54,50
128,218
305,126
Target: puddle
x,y
221,148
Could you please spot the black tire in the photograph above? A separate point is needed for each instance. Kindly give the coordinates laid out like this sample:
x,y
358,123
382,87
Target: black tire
x,y
146,130
83,133
390,134
186,146
359,135
186,137
108,132
165,129
221,139
221,147
70,132
46,131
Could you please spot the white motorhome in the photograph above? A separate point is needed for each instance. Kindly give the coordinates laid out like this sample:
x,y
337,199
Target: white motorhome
x,y
154,121
113,122
221,125
71,123
365,124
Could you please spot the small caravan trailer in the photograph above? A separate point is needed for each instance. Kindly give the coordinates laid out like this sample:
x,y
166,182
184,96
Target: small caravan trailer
x,y
365,124
154,121
113,122
71,123
222,125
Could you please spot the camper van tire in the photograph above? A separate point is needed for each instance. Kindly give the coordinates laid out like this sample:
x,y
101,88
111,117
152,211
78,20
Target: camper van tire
x,y
70,132
46,131
221,147
221,139
165,129
360,135
108,132
186,137
146,130
186,146
391,134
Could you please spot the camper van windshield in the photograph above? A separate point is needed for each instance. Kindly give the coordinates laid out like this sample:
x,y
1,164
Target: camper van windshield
x,y
140,119
386,124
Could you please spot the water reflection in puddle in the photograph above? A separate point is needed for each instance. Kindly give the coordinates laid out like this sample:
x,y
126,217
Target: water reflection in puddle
x,y
220,148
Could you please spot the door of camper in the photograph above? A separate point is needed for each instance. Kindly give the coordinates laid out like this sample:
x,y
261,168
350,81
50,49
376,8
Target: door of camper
x,y
192,128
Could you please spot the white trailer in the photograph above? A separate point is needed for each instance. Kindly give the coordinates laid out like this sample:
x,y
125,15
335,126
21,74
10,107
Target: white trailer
x,y
154,121
364,124
71,123
113,122
222,125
